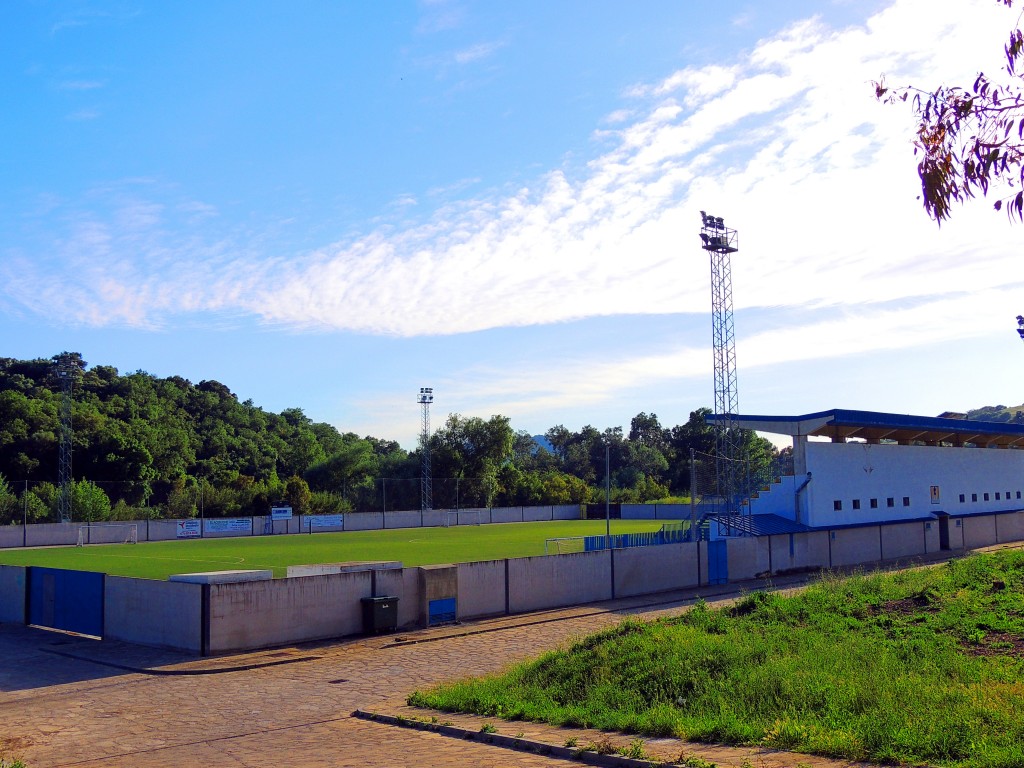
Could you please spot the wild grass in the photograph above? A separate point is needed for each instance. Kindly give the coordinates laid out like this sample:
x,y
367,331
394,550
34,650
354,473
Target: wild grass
x,y
917,667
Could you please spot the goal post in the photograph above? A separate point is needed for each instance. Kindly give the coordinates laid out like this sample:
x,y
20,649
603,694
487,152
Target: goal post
x,y
565,545
108,533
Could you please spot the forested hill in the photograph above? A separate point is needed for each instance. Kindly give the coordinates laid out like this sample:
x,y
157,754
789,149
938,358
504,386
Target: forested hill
x,y
148,446
997,413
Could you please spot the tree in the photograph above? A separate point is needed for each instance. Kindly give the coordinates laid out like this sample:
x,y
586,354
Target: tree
x,y
88,502
970,138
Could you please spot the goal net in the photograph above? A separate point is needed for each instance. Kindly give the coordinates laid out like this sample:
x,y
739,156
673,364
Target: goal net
x,y
564,546
465,517
108,533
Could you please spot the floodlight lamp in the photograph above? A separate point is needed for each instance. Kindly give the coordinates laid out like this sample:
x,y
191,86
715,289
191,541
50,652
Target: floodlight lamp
x,y
705,238
720,222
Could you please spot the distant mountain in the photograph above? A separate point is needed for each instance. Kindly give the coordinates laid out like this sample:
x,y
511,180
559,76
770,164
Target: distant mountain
x,y
544,443
1014,413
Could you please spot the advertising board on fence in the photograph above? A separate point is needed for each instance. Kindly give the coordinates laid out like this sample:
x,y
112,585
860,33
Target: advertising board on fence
x,y
323,521
234,525
188,529
280,513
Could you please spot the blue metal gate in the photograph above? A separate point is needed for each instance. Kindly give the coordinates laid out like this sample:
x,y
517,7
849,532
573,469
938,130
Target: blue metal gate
x,y
718,562
68,600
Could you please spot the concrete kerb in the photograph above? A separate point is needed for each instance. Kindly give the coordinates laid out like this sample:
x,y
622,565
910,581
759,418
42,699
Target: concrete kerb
x,y
517,743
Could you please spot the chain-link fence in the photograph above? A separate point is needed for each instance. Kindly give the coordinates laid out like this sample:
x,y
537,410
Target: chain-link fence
x,y
725,486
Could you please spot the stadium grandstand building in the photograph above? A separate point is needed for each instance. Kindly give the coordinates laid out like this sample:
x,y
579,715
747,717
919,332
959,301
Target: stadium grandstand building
x,y
860,467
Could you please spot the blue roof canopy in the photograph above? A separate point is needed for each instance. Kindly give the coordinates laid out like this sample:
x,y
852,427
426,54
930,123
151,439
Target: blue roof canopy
x,y
870,425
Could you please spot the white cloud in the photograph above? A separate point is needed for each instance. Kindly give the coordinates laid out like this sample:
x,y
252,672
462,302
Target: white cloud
x,y
787,142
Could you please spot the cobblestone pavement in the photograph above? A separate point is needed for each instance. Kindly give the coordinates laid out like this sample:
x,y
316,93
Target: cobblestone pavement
x,y
70,701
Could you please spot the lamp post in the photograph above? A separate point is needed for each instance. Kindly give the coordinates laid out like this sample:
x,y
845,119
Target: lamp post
x,y
608,492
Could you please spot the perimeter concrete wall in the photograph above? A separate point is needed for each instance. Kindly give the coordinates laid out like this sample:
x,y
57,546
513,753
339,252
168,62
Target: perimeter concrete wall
x,y
160,530
540,514
12,593
645,570
799,551
655,511
162,613
11,536
979,531
258,614
434,518
481,588
52,534
402,520
748,557
507,515
364,521
1010,527
905,539
565,512
853,546
536,583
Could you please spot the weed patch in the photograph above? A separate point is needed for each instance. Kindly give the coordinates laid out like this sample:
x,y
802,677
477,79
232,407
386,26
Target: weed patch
x,y
916,667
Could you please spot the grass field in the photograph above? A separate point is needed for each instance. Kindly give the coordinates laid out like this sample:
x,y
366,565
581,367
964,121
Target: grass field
x,y
412,546
919,667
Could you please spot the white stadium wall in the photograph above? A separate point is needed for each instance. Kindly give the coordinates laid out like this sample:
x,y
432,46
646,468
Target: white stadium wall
x,y
854,474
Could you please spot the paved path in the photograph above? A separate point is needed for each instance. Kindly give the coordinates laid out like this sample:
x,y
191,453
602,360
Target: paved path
x,y
68,701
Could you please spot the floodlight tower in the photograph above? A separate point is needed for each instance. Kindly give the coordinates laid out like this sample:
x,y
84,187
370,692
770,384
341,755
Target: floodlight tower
x,y
426,482
721,242
65,368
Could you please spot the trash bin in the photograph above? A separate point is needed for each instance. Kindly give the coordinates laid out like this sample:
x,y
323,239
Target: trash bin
x,y
380,614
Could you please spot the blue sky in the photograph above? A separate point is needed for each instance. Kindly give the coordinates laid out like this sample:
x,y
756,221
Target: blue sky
x,y
329,205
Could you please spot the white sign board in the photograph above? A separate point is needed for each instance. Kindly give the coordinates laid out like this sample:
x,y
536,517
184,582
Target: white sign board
x,y
280,513
324,521
234,525
189,529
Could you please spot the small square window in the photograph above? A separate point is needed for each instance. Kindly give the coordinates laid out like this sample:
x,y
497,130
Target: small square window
x,y
874,503
856,503
906,501
1018,494
837,505
986,497
974,497
1007,495
890,502
963,498
997,496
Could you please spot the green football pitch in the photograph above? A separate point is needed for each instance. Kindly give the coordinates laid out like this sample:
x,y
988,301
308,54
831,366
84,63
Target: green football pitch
x,y
411,546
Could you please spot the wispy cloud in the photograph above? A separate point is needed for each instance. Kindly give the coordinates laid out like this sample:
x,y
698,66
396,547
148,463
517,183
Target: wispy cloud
x,y
83,115
786,142
81,85
477,52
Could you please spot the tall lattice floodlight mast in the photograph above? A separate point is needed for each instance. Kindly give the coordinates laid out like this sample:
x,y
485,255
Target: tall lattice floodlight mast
x,y
426,482
721,242
65,368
